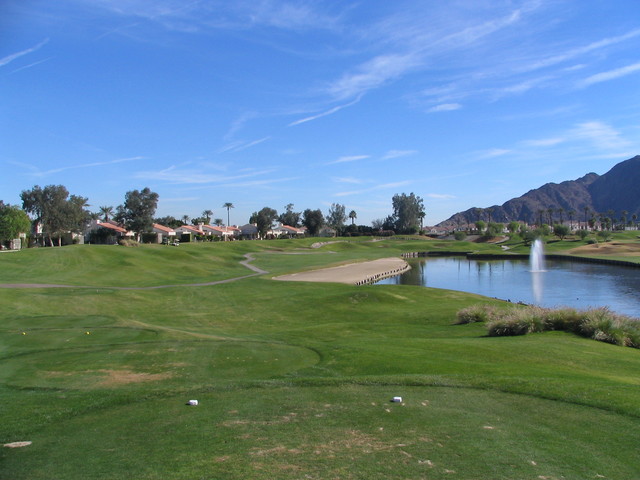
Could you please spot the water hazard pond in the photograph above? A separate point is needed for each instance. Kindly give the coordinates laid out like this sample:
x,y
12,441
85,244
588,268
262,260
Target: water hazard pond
x,y
563,283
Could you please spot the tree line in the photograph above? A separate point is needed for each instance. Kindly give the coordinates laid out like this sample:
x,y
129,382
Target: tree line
x,y
56,213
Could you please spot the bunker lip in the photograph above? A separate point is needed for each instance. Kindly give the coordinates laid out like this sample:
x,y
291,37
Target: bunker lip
x,y
352,273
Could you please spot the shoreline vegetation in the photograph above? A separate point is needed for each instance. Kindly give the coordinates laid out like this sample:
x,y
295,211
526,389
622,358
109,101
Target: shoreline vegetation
x,y
599,324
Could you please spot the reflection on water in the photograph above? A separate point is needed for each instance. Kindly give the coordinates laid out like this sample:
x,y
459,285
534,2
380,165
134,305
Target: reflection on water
x,y
564,283
536,286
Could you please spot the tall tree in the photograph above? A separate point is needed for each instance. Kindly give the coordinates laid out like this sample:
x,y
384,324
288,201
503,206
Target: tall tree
x,y
138,210
289,217
106,212
264,219
336,217
207,216
55,211
313,220
407,212
353,215
13,222
228,205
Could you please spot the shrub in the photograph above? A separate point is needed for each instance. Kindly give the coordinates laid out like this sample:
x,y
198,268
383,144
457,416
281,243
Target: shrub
x,y
459,236
567,319
474,314
125,242
598,323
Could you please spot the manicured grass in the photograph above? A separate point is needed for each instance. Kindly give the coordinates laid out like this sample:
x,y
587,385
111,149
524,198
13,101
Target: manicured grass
x,y
294,379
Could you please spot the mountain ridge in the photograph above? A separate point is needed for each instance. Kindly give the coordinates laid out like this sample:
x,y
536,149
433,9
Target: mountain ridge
x,y
617,191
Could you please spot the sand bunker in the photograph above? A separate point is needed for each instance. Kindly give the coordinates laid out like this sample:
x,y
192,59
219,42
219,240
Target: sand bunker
x,y
353,273
612,248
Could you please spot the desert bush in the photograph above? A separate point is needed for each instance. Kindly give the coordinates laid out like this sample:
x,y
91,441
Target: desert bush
x,y
459,236
517,321
128,243
567,319
474,314
597,323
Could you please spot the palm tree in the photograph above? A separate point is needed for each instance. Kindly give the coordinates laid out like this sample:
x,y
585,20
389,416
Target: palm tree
x,y
586,211
207,215
571,214
217,222
106,212
352,216
623,218
227,205
489,212
185,219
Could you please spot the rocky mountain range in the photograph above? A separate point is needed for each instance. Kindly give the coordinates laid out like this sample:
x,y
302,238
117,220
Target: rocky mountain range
x,y
611,194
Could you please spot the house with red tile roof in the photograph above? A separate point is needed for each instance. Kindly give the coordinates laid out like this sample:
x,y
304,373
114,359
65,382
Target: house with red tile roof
x,y
165,234
110,232
288,231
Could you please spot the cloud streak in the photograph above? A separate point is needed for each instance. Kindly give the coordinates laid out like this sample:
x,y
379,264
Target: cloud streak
x,y
610,75
44,173
384,186
10,58
324,114
349,158
178,176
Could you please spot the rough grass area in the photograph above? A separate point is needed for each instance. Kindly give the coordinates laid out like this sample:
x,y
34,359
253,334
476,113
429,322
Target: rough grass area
x,y
596,323
294,380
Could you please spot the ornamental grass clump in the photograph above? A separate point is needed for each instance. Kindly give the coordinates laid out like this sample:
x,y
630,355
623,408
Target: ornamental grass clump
x,y
604,325
475,313
517,321
597,323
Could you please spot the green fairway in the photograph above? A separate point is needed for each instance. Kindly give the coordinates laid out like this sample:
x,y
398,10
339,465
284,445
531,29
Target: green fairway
x,y
294,380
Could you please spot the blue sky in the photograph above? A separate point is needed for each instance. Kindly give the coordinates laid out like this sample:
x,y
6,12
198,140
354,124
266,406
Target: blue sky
x,y
466,103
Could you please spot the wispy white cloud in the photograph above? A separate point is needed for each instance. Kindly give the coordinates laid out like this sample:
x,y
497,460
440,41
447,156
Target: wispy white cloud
x,y
445,107
287,15
351,180
398,153
578,51
30,65
600,134
384,186
348,158
440,196
197,176
262,183
10,58
331,111
197,15
495,152
610,75
373,74
545,142
238,124
252,144
240,145
36,172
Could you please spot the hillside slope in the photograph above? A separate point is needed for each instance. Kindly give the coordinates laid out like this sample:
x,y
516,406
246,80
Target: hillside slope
x,y
614,191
